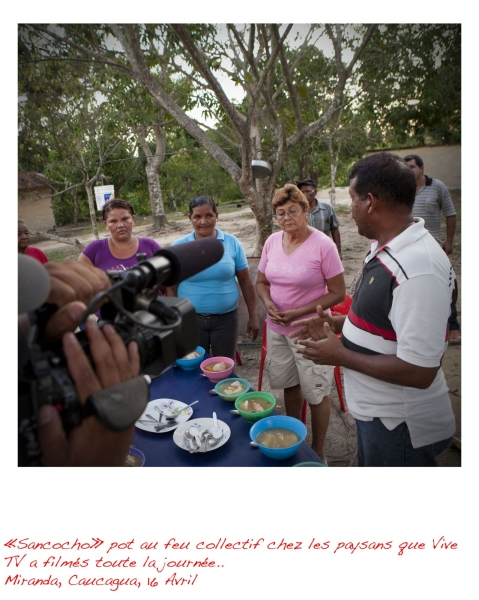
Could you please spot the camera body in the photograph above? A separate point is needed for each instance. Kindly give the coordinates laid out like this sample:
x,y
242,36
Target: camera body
x,y
164,328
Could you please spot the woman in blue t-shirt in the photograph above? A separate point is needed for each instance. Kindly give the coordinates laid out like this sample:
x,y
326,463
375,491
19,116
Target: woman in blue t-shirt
x,y
214,292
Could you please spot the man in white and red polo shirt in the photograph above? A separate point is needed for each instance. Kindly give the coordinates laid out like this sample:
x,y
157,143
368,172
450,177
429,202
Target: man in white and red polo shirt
x,y
394,335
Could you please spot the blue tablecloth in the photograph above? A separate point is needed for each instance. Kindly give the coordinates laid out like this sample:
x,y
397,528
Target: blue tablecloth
x,y
161,451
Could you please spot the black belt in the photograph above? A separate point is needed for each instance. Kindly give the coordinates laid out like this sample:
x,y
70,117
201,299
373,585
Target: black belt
x,y
215,314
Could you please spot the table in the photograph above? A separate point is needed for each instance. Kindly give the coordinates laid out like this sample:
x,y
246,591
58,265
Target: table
x,y
161,451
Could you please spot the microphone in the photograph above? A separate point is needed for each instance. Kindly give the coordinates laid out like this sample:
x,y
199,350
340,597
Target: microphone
x,y
191,258
173,265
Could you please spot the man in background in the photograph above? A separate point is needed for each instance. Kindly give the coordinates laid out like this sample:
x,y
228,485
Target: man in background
x,y
322,215
432,197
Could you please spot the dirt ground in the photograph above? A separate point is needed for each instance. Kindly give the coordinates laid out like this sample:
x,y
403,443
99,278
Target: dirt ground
x,y
341,438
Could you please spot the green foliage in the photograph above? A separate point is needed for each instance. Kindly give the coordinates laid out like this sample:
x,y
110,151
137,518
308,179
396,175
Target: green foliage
x,y
417,98
404,91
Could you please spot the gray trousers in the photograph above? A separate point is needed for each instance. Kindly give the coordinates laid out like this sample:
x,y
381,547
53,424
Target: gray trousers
x,y
218,334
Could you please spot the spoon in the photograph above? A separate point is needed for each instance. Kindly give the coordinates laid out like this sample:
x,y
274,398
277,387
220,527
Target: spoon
x,y
152,418
190,439
215,430
254,444
159,425
174,417
210,441
196,435
235,412
205,437
213,392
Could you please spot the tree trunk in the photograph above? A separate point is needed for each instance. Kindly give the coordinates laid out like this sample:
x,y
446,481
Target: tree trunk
x,y
259,200
303,167
333,163
91,204
75,206
152,169
156,197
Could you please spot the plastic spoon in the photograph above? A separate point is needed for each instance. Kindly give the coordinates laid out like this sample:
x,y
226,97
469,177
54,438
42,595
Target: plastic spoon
x,y
215,430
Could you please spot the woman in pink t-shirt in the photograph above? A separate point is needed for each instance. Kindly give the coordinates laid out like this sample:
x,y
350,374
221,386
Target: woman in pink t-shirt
x,y
299,269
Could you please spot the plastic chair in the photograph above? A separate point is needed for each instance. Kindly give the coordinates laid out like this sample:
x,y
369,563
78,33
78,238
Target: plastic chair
x,y
238,358
341,309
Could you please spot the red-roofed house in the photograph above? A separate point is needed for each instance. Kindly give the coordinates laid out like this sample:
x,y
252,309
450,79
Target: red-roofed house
x,y
35,202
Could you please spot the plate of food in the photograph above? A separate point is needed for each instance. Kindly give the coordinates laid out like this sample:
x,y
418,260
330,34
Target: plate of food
x,y
174,408
200,425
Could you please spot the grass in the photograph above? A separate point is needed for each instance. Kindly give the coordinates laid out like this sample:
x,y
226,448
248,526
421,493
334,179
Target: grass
x,y
62,255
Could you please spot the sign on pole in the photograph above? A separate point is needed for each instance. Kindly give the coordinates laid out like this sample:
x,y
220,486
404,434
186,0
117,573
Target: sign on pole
x,y
102,194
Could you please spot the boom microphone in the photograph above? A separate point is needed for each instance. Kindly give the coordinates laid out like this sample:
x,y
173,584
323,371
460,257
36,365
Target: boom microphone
x,y
170,266
191,258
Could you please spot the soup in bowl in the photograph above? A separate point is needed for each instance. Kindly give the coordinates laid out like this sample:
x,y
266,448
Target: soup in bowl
x,y
192,360
254,406
217,368
230,389
278,436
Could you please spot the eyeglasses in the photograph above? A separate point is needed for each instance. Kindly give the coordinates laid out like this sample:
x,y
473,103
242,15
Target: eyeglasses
x,y
294,212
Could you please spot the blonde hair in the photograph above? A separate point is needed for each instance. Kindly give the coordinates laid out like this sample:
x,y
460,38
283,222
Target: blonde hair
x,y
289,192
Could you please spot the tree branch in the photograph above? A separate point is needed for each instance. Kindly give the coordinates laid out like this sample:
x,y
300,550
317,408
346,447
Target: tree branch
x,y
233,113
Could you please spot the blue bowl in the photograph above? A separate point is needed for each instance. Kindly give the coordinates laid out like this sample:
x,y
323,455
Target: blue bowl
x,y
188,364
279,421
137,453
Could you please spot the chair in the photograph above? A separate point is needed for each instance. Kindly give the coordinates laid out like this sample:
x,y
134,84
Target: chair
x,y
238,358
339,309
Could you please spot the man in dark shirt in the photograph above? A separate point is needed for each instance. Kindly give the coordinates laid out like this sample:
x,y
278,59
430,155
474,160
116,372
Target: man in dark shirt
x,y
321,214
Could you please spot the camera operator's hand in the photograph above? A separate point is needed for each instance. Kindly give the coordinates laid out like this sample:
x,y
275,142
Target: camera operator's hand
x,y
90,444
73,285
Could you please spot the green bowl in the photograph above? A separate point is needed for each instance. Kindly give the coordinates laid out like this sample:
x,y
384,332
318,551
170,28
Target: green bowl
x,y
253,417
221,385
310,464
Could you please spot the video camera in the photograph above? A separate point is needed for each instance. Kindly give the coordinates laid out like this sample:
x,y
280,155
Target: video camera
x,y
163,327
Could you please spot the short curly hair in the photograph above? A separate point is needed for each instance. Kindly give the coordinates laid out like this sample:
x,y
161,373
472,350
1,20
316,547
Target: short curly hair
x,y
289,192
